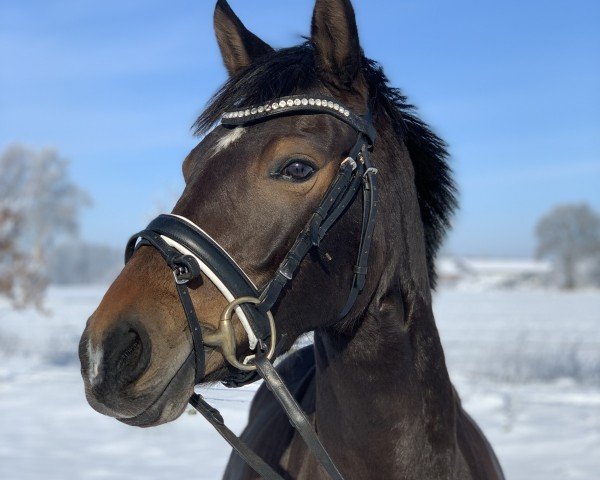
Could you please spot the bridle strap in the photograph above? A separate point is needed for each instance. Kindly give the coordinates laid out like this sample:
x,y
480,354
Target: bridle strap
x,y
214,417
351,176
366,237
184,268
297,417
313,232
194,325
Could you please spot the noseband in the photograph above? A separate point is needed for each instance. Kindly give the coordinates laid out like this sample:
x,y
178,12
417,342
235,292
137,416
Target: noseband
x,y
190,252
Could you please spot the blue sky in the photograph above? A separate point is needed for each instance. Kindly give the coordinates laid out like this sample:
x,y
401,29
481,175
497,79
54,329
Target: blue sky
x,y
513,87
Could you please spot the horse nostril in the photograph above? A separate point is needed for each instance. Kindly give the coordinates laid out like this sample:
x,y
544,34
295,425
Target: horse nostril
x,y
132,353
127,353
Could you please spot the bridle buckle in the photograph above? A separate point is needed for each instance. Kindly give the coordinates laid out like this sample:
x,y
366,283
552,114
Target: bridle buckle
x,y
181,276
369,170
186,268
350,161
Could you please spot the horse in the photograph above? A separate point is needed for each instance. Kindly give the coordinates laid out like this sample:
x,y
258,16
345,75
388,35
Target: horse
x,y
374,383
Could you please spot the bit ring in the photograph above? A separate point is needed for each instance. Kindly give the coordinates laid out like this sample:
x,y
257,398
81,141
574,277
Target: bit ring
x,y
224,336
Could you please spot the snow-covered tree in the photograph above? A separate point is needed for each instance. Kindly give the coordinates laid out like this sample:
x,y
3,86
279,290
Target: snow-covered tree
x,y
39,204
569,234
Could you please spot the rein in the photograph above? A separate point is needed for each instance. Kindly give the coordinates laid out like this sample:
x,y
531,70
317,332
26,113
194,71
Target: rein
x,y
190,252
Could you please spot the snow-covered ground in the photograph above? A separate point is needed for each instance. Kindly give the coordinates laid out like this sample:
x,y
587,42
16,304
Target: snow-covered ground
x,y
526,363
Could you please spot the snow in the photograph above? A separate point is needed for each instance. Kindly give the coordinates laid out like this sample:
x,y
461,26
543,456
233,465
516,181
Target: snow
x,y
49,431
525,362
517,335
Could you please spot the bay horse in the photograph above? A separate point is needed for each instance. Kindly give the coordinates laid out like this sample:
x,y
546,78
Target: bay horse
x,y
374,385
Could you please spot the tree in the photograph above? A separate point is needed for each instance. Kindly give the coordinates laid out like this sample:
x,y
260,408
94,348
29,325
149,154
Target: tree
x,y
39,204
569,234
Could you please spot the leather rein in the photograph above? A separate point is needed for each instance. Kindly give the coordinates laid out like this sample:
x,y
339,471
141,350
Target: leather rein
x,y
190,252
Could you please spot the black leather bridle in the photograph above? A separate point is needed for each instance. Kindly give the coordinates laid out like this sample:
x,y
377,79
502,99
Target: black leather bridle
x,y
190,252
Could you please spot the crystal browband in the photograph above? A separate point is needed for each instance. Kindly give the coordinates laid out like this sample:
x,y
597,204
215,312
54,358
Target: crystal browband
x,y
288,103
298,104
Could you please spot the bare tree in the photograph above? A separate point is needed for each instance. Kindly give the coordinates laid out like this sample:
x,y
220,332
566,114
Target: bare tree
x,y
569,234
38,205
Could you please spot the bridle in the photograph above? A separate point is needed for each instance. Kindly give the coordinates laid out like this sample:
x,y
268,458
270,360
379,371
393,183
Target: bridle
x,y
190,252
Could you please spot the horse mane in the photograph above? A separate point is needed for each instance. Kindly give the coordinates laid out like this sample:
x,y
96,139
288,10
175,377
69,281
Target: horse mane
x,y
292,70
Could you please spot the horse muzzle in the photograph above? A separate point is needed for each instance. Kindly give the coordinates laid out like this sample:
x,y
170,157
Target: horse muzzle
x,y
115,367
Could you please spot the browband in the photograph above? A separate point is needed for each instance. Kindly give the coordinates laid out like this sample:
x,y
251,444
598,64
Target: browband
x,y
299,105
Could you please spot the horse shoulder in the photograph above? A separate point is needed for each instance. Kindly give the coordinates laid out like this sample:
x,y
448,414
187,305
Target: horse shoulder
x,y
269,432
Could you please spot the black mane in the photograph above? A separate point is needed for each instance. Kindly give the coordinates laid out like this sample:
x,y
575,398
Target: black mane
x,y
292,70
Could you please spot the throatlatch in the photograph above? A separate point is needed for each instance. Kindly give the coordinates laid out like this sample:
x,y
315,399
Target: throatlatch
x,y
189,252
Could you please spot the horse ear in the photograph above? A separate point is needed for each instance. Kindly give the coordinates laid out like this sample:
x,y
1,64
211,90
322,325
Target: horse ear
x,y
334,35
239,46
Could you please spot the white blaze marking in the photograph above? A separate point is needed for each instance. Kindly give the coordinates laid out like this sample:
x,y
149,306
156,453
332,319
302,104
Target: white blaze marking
x,y
95,357
226,140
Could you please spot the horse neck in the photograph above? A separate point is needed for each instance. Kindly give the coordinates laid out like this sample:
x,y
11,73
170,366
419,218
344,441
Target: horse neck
x,y
383,389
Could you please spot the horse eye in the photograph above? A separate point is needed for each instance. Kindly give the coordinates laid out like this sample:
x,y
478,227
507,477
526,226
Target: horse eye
x,y
298,171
